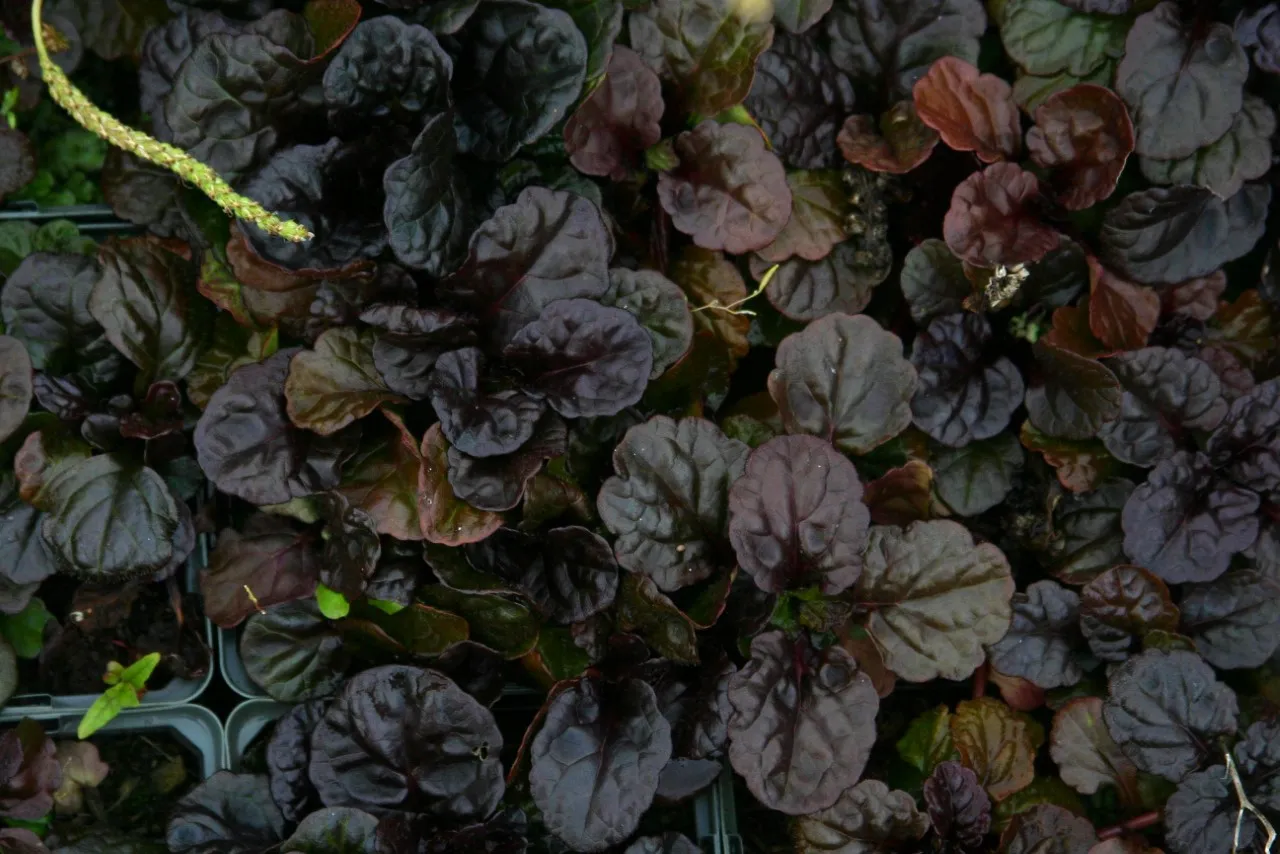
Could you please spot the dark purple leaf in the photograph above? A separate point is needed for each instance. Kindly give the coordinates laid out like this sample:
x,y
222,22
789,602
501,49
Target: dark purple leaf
x,y
382,480
668,843
25,558
935,598
1247,442
870,818
1201,816
16,385
819,204
288,755
498,483
958,806
1185,522
707,49
963,395
607,739
1044,643
403,739
293,653
248,447
165,48
1089,538
841,283
428,208
518,70
1084,136
386,74
1184,90
729,192
477,422
548,245
19,158
274,563
1165,708
975,478
1120,606
1171,234
797,517
668,505
1164,391
445,518
893,43
843,379
608,134
569,573
336,382
933,281
45,304
645,611
226,814
1234,619
660,307
992,219
803,723
799,99
1073,396
583,358
1242,154
340,830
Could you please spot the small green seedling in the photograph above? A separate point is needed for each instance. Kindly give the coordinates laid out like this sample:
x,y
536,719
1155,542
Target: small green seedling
x,y
128,685
9,106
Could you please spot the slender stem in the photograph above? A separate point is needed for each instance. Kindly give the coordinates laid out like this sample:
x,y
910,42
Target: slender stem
x,y
141,145
1131,825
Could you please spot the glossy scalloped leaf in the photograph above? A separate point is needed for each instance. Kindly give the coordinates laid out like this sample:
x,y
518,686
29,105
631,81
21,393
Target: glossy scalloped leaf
x,y
1183,92
273,565
1084,136
428,209
1120,606
933,281
668,504
381,479
228,812
841,283
602,738
1242,154
445,518
1164,709
1171,234
843,379
893,42
660,307
971,111
868,818
1043,644
706,49
959,808
1088,537
293,653
799,98
709,278
992,219
796,516
335,383
1087,758
896,144
819,203
478,421
1072,397
803,723
1080,465
1046,37
610,130
996,743
935,598
975,478
729,192
1048,829
1234,619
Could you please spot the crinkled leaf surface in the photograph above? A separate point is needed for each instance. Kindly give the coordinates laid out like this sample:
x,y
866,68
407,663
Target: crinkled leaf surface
x,y
337,830
1120,606
1234,619
1171,234
1048,829
287,756
977,477
841,283
476,421
819,202
546,246
992,218
662,309
608,133
226,814
969,110
15,385
1242,154
706,49
799,98
843,379
249,448
935,598
867,819
583,358
933,281
1164,709
518,69
1183,91
569,573
996,743
1245,445
963,394
959,808
45,304
1164,391
381,479
1044,643
610,740
1084,135
1185,522
428,208
668,504
797,517
895,42
729,192
1046,37
708,278
407,739
803,723
445,518
897,143
498,483
1089,535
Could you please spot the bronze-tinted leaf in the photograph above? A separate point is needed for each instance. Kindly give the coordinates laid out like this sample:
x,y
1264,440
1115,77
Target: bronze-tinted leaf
x,y
819,202
608,133
1120,606
1122,314
995,743
868,818
1084,135
992,219
898,143
971,111
445,518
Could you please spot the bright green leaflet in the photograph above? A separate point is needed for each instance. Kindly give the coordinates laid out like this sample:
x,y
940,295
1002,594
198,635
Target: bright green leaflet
x,y
130,683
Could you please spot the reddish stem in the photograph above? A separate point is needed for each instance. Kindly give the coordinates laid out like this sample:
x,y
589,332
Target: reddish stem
x,y
980,681
1133,825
